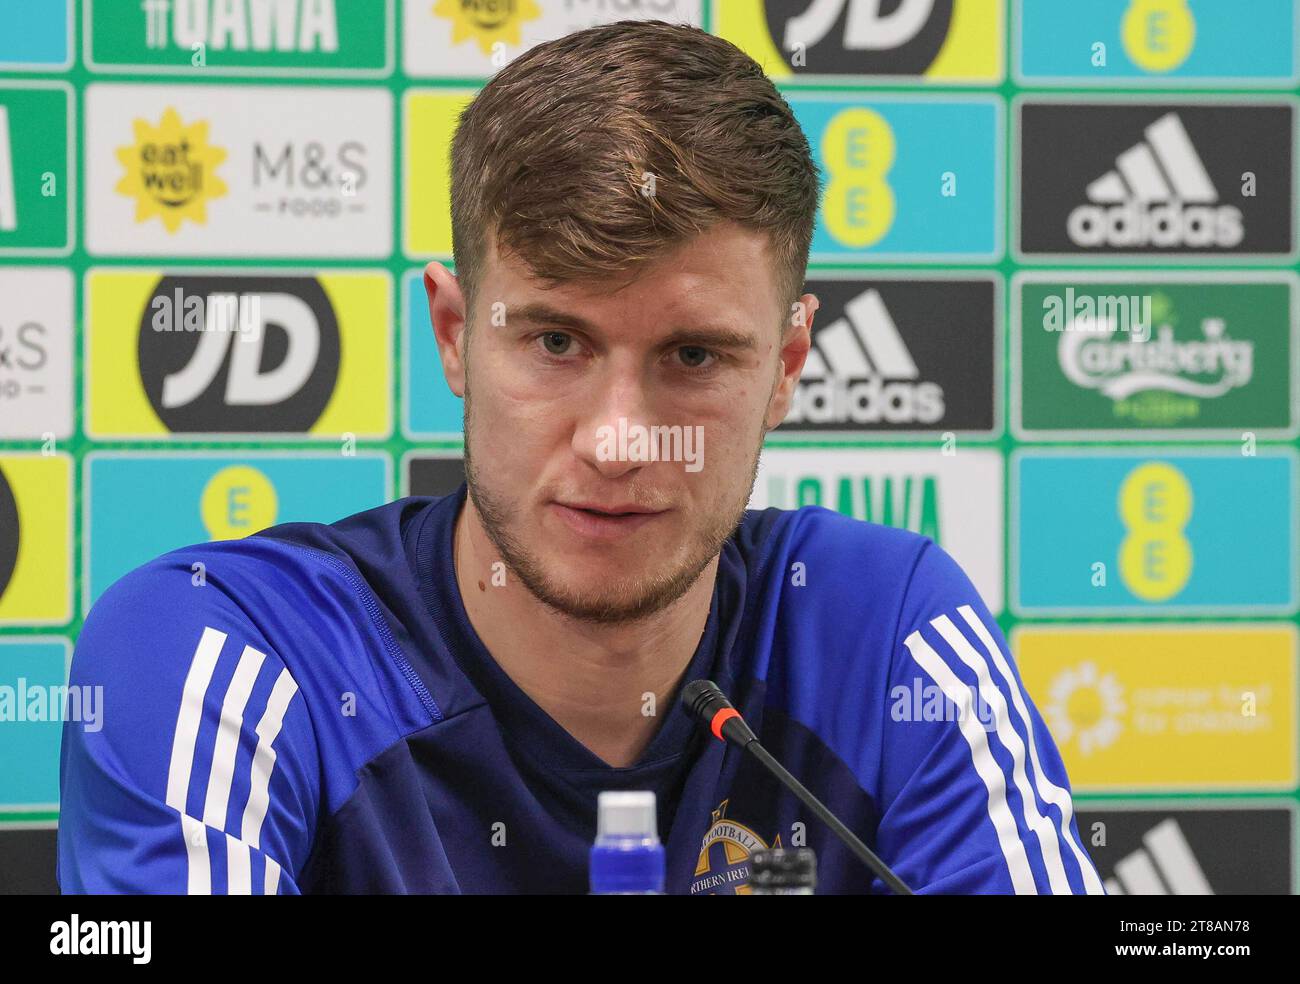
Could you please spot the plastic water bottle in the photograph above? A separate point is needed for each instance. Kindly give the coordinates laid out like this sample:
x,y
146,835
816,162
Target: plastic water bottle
x,y
627,858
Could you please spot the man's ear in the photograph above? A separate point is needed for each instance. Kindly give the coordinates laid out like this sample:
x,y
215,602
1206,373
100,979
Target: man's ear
x,y
796,340
447,314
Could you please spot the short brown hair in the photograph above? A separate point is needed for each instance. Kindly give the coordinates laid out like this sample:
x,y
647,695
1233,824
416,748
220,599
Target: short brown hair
x,y
551,156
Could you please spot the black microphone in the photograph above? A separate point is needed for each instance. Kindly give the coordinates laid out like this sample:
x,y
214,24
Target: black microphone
x,y
706,702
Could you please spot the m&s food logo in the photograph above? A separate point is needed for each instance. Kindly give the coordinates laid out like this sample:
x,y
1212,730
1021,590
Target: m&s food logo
x,y
171,171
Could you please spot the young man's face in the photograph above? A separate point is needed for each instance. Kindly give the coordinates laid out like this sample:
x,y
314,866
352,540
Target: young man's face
x,y
574,397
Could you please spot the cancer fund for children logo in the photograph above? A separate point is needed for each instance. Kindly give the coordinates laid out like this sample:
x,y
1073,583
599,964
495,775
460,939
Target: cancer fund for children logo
x,y
171,171
1151,706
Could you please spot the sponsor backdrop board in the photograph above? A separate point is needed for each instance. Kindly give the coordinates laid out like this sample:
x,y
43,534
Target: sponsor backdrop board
x,y
1058,333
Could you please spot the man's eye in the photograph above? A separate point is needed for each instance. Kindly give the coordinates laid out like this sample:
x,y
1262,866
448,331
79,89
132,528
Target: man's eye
x,y
556,342
694,357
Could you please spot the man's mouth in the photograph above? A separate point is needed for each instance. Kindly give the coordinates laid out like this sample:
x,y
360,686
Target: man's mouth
x,y
605,522
613,509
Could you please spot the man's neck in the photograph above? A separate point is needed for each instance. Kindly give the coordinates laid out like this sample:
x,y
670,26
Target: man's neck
x,y
607,685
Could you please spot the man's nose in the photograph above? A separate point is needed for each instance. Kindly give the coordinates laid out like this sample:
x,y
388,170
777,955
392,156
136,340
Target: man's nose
x,y
604,434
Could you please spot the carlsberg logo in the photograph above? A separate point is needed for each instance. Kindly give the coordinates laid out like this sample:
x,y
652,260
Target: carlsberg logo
x,y
1094,356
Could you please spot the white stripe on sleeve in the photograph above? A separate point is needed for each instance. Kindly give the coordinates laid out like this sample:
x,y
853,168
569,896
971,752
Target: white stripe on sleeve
x,y
1004,824
230,725
228,730
197,681
199,871
239,864
271,880
268,729
993,698
1048,790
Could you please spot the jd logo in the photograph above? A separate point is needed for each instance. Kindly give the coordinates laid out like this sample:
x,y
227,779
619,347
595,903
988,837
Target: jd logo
x,y
878,37
207,367
8,534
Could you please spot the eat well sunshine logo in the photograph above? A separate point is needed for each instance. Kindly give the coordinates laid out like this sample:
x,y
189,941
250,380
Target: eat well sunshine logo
x,y
488,21
171,171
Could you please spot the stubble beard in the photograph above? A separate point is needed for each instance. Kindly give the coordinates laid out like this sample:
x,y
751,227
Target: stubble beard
x,y
627,599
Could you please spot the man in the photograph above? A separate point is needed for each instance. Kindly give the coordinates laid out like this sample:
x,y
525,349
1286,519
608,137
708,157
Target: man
x,y
428,697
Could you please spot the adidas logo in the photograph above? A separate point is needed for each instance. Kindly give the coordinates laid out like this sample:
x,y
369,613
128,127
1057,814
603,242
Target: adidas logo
x,y
1158,195
859,371
1166,867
